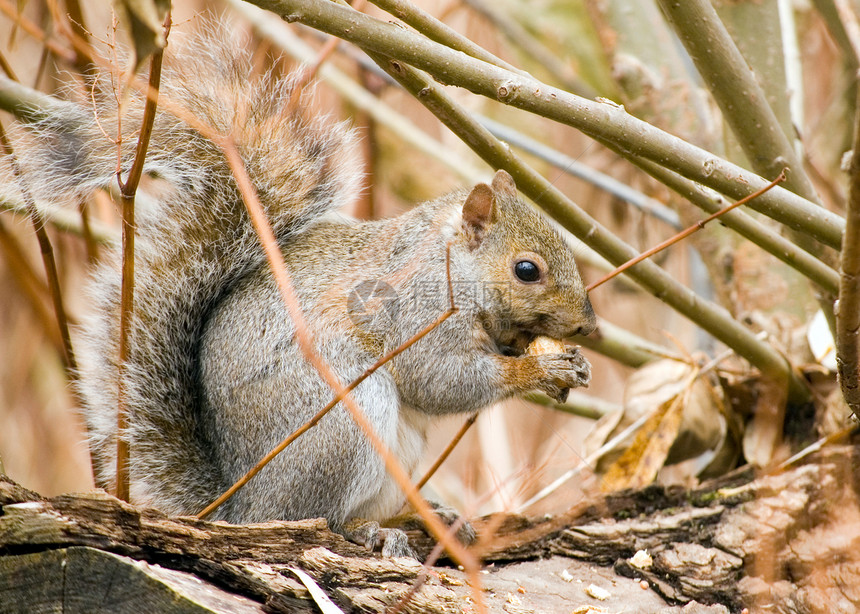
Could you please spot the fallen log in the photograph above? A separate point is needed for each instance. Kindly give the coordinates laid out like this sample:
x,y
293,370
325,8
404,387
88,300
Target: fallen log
x,y
786,541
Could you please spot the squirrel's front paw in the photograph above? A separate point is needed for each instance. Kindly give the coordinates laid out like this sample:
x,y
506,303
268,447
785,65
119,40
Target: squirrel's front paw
x,y
563,371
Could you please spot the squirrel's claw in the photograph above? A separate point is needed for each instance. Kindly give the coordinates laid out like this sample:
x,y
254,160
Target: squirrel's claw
x,y
563,372
368,533
465,533
363,532
559,395
396,544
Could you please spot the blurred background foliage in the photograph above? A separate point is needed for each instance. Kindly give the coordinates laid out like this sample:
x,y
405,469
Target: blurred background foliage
x,y
697,402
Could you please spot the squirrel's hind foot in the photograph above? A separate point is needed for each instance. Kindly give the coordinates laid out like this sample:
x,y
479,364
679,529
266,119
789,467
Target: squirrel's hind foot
x,y
449,516
369,534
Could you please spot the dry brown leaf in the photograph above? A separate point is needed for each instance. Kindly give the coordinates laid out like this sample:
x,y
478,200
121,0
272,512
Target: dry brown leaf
x,y
697,425
653,385
648,388
639,464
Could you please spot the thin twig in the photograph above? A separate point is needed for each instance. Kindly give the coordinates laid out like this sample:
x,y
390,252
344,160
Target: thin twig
x,y
87,233
683,234
64,220
746,226
32,287
447,451
309,73
815,447
79,29
7,68
33,30
48,259
40,68
128,191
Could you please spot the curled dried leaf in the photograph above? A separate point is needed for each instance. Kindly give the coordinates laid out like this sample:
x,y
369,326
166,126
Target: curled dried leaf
x,y
687,421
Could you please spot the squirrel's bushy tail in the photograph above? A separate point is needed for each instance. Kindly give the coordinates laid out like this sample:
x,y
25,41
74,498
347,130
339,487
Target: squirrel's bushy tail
x,y
193,241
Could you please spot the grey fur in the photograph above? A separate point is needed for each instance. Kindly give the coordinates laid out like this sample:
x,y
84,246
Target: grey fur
x,y
215,378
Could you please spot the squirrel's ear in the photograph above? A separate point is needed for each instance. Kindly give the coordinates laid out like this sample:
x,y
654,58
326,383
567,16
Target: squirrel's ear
x,y
479,211
503,184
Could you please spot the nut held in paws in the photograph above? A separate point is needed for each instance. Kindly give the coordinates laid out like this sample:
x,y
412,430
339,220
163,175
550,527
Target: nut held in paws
x,y
545,345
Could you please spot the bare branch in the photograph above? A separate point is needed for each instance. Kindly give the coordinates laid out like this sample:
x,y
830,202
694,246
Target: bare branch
x,y
713,318
848,310
747,226
602,120
128,190
684,233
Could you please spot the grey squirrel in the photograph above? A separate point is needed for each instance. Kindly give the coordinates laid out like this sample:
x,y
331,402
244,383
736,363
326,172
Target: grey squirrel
x,y
215,378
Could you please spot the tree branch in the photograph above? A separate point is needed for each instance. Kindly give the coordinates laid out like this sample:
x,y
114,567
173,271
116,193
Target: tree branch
x,y
604,121
709,316
848,311
747,226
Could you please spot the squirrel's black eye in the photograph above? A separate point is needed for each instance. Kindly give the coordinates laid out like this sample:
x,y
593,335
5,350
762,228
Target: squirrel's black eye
x,y
527,271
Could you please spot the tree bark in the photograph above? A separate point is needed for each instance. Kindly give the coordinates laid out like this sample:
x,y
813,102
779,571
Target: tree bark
x,y
785,541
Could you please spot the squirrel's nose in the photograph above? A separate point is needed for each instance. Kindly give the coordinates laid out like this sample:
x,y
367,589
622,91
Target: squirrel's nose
x,y
589,323
585,329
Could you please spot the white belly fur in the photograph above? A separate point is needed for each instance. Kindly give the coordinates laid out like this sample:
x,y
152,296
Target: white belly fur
x,y
408,450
